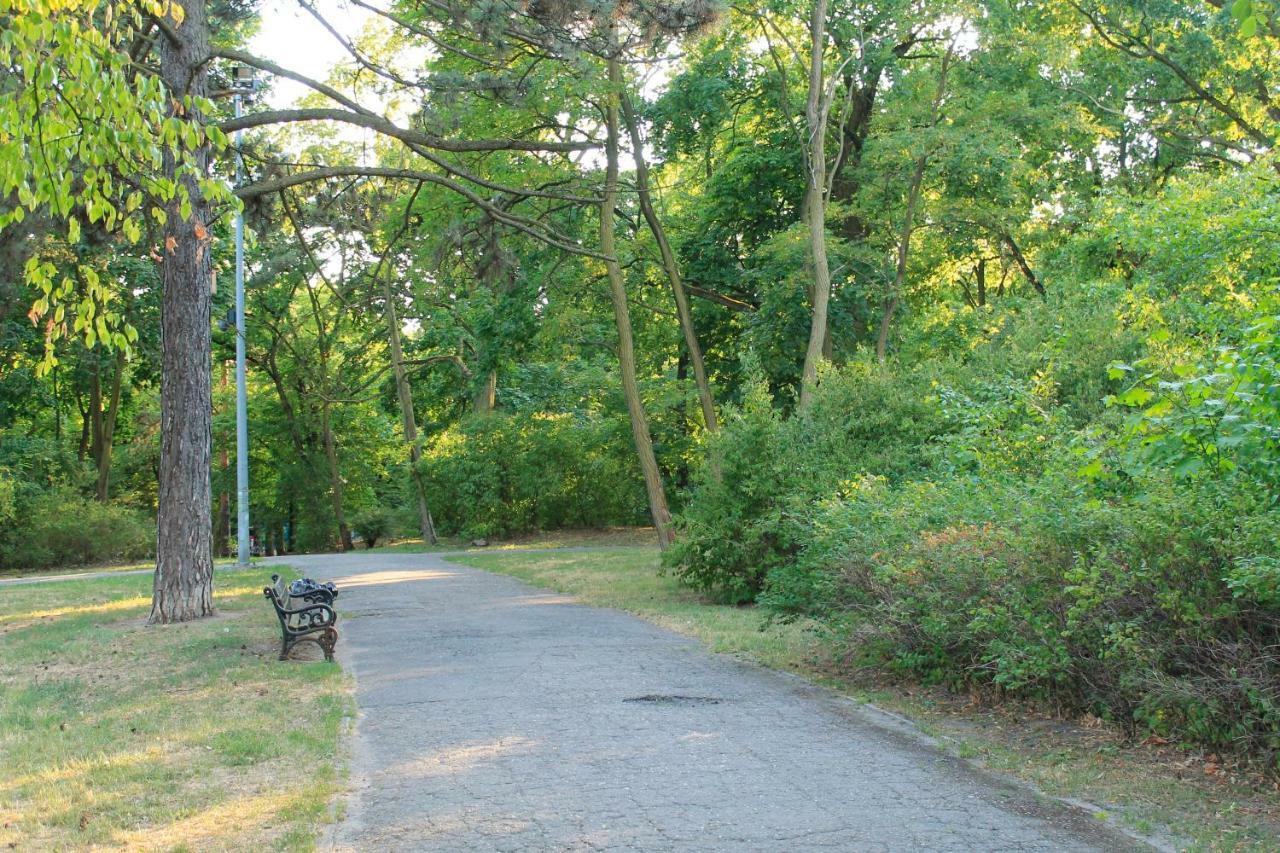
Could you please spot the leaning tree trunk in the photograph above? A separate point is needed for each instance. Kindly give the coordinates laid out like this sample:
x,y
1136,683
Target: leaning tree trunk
x,y
672,269
816,203
426,524
1021,259
183,587
626,345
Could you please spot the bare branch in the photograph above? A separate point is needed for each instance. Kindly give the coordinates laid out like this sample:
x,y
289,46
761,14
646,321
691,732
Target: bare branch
x,y
389,128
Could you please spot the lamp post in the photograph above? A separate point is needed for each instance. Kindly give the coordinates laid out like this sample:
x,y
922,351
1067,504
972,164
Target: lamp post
x,y
242,86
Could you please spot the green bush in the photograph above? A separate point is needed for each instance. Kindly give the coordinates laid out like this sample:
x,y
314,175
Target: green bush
x,y
763,471
373,524
735,528
62,528
976,521
1153,610
500,473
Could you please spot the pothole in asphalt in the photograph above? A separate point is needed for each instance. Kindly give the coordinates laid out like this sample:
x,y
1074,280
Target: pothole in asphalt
x,y
673,699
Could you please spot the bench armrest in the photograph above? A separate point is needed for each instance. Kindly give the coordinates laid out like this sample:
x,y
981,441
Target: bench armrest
x,y
310,618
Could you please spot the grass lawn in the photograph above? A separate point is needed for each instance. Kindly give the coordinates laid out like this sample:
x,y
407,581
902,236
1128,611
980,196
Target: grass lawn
x,y
1147,787
178,737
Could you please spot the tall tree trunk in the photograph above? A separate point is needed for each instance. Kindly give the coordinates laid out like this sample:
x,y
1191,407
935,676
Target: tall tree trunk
x,y
86,431
671,268
626,346
107,425
486,396
980,276
335,478
95,409
183,587
426,524
57,406
816,202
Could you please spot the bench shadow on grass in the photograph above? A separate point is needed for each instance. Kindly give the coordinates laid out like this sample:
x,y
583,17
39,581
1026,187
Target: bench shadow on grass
x,y
180,736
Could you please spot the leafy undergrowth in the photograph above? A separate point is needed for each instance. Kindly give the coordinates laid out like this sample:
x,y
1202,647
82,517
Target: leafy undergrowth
x,y
186,736
1150,787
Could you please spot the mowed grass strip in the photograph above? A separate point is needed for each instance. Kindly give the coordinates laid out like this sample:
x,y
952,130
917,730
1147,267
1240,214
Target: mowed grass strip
x,y
193,736
628,579
1147,789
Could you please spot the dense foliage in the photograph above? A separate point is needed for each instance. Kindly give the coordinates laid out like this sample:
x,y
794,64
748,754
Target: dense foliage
x,y
950,323
1071,500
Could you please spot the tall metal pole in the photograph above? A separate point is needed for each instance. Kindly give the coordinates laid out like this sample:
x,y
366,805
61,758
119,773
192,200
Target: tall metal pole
x,y
242,395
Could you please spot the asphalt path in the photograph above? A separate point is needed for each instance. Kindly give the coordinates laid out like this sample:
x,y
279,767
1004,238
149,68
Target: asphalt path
x,y
496,716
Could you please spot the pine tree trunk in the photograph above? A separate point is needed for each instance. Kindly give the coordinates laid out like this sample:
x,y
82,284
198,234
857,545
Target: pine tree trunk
x,y
183,586
426,524
816,203
672,269
626,346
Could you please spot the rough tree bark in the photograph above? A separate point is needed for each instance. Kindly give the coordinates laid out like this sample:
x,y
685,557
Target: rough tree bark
x,y
626,346
671,268
815,201
183,585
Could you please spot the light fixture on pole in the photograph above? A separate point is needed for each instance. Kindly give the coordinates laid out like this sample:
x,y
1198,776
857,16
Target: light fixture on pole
x,y
243,86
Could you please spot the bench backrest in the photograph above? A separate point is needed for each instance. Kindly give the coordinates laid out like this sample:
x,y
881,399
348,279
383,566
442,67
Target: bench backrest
x,y
281,590
282,601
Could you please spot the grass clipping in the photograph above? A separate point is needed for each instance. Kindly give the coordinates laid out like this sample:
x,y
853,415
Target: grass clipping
x,y
185,736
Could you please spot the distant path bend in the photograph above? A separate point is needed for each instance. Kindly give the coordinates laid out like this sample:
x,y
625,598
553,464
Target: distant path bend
x,y
496,716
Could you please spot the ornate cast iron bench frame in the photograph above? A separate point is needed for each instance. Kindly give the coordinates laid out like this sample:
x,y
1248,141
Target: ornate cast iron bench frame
x,y
312,622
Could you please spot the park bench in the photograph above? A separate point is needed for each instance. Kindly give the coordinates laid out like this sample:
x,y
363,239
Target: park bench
x,y
306,615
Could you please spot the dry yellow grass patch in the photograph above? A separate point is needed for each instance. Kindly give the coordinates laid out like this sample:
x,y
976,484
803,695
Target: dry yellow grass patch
x,y
119,735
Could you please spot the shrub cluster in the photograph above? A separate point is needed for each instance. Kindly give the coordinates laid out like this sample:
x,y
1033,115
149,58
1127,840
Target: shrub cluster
x,y
60,527
1154,610
502,473
990,522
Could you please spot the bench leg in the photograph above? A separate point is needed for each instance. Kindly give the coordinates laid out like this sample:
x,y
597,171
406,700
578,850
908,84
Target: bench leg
x,y
327,640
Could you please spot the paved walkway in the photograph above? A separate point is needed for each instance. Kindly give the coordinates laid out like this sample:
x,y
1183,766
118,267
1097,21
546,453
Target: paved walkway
x,y
494,716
